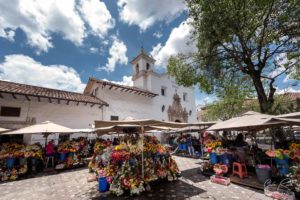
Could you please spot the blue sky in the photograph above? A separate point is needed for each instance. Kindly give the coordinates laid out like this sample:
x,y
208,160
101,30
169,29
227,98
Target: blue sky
x,y
60,44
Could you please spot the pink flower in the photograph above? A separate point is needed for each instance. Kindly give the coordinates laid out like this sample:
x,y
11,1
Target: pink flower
x,y
109,179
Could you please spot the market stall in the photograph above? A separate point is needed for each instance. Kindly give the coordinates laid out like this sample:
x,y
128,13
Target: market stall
x,y
132,164
247,164
16,159
190,141
72,153
46,128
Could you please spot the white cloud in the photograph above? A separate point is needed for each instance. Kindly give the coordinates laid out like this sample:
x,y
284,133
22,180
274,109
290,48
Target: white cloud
x,y
276,72
23,69
94,50
144,13
127,80
96,14
283,62
158,34
205,99
178,42
287,89
39,19
117,55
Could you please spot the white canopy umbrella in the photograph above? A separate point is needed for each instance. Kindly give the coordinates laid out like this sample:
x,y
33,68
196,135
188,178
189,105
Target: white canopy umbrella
x,y
256,121
3,130
150,122
46,128
84,130
245,122
251,113
122,127
115,128
295,115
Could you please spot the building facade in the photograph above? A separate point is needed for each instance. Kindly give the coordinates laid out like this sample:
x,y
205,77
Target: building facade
x,y
23,105
152,96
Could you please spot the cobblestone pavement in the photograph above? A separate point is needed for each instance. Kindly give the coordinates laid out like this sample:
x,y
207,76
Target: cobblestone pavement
x,y
73,185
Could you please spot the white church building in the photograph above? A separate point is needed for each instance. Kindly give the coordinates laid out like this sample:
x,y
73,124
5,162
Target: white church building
x,y
152,96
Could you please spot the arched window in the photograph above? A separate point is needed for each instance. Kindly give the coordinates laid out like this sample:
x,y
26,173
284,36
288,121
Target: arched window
x,y
147,66
137,68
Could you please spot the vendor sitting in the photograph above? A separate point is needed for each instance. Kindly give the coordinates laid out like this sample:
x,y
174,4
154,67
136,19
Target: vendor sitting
x,y
50,152
50,149
240,145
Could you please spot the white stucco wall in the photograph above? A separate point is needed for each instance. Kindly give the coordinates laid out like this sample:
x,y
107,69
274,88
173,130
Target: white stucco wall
x,y
157,82
72,116
154,82
125,104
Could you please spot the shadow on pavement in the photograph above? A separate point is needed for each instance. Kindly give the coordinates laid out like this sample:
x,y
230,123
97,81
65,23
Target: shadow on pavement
x,y
194,175
159,190
50,172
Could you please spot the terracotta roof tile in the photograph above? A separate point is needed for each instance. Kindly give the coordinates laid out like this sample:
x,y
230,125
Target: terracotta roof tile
x,y
132,90
30,90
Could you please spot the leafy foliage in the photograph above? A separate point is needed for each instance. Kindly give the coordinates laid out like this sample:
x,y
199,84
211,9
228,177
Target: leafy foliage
x,y
226,108
257,40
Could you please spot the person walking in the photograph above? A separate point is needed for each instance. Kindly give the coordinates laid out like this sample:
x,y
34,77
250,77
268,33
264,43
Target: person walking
x,y
190,145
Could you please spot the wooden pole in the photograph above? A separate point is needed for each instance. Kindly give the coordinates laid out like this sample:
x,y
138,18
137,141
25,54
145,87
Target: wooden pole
x,y
201,141
142,129
46,138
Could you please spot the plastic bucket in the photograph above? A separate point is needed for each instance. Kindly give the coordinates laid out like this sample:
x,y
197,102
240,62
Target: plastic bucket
x,y
10,162
226,159
63,156
213,158
184,147
282,166
220,158
263,174
180,147
103,184
71,154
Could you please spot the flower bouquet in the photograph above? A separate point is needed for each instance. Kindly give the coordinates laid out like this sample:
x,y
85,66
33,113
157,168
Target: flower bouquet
x,y
122,164
220,169
100,145
282,160
121,155
295,151
279,154
212,146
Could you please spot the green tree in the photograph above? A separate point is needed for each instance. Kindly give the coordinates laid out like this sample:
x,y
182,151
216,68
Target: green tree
x,y
226,107
231,94
255,39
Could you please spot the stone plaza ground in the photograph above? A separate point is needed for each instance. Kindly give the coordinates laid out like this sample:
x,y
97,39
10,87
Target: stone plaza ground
x,y
73,185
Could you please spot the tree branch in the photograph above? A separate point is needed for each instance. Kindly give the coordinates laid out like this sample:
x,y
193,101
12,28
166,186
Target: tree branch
x,y
261,64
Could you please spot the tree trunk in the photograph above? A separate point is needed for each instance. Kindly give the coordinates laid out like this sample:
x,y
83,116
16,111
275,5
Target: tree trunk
x,y
265,103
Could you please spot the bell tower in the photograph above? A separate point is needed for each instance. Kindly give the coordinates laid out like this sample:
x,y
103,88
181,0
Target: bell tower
x,y
142,65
